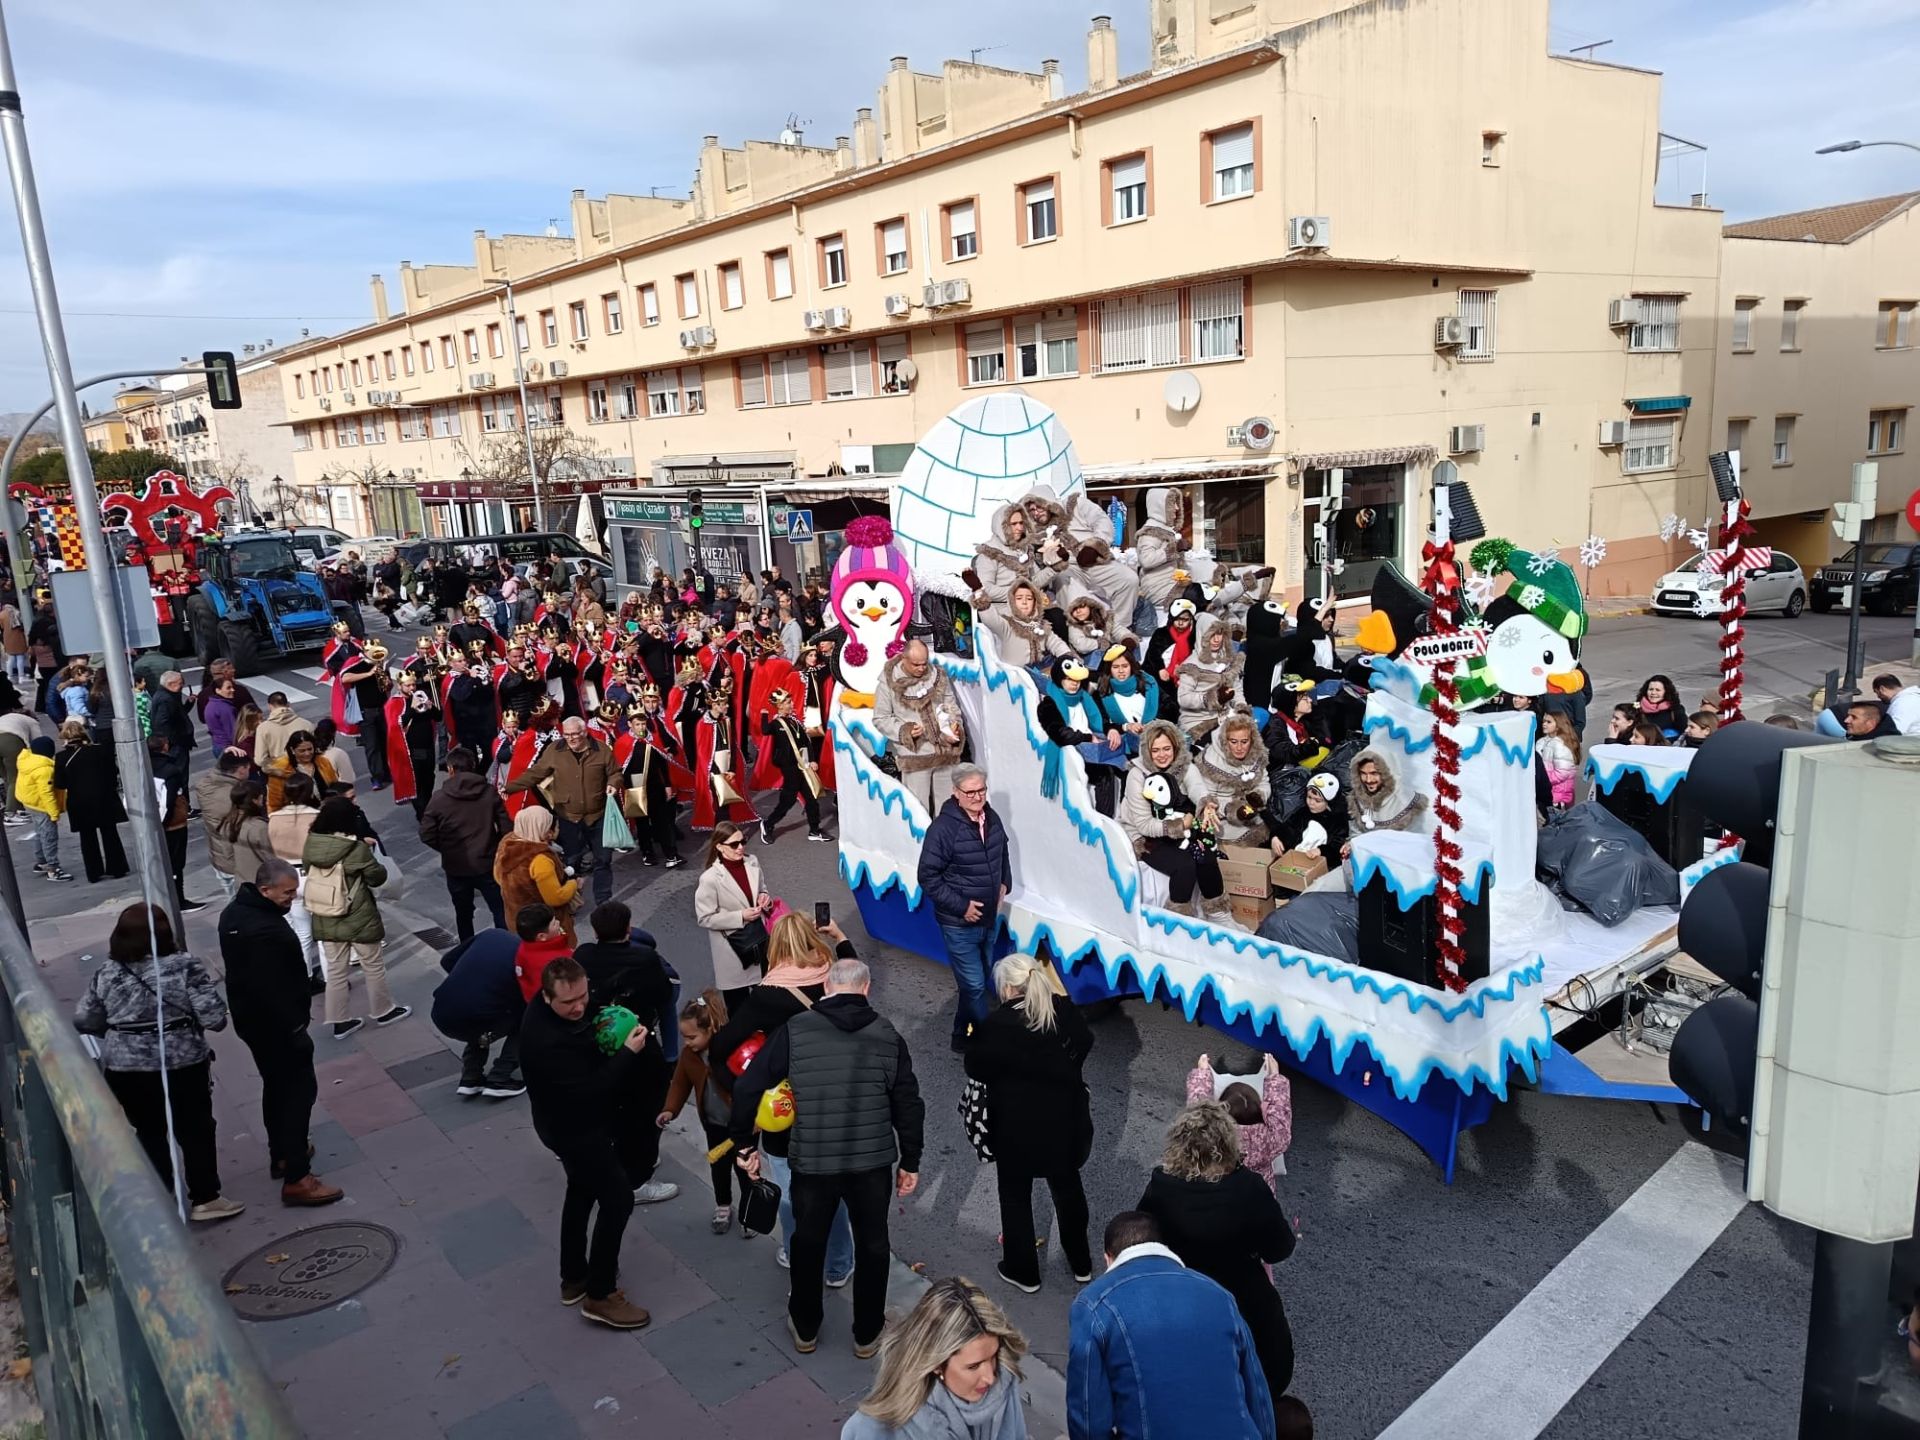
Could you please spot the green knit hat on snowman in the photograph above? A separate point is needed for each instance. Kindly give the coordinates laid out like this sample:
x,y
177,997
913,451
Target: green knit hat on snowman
x,y
1546,588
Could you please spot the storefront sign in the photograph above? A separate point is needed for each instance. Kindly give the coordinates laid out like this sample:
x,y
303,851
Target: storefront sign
x,y
674,512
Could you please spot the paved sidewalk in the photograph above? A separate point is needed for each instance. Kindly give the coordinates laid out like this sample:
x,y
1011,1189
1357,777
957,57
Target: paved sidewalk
x,y
465,1337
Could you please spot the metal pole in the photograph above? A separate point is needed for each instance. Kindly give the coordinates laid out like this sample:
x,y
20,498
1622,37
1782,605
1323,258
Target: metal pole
x,y
1846,1337
526,414
149,839
1853,618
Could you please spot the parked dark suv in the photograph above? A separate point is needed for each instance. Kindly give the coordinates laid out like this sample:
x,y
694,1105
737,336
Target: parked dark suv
x,y
1889,579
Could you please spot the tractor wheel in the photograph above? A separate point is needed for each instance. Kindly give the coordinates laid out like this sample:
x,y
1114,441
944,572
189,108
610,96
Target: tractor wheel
x,y
242,646
204,626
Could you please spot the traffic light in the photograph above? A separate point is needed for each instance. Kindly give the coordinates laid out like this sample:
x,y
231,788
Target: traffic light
x,y
223,379
1735,782
696,514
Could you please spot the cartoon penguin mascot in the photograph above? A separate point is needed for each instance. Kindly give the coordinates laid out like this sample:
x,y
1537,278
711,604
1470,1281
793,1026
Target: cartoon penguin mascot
x,y
1266,643
1535,628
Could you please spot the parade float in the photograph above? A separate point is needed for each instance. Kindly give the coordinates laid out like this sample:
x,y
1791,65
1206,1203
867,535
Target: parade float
x,y
1467,966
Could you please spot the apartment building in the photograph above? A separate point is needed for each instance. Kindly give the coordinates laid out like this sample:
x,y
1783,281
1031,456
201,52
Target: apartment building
x,y
1298,243
1818,367
109,432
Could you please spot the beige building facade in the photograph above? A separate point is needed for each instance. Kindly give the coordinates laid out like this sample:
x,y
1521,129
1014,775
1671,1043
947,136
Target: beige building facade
x,y
1818,368
1294,217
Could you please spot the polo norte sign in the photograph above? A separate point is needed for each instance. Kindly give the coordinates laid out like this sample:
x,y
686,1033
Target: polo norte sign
x,y
674,512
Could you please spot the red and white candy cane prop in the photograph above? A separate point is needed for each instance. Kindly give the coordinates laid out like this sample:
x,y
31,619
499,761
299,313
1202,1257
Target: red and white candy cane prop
x,y
1442,581
1733,612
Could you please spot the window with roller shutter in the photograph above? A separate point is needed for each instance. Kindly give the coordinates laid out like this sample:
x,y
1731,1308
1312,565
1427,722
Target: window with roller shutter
x,y
962,232
663,393
693,390
888,354
1129,195
1047,346
986,353
1232,162
893,247
849,370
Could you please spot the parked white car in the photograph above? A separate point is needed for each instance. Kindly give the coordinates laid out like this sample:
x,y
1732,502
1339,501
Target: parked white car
x,y
1690,590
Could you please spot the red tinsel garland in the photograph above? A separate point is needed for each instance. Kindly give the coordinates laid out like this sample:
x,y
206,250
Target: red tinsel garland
x,y
1733,614
1441,581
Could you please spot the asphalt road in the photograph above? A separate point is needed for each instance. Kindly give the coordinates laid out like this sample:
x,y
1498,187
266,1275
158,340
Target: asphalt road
x,y
1397,1276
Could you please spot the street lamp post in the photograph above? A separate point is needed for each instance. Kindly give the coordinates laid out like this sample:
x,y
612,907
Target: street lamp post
x,y
1848,146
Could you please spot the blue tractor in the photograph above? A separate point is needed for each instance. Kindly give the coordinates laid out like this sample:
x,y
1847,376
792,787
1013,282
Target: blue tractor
x,y
256,602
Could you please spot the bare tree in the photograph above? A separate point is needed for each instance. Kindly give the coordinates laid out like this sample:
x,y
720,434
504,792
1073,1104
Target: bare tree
x,y
559,456
362,479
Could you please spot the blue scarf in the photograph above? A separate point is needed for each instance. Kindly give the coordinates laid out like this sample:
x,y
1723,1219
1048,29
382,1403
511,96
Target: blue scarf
x,y
1139,683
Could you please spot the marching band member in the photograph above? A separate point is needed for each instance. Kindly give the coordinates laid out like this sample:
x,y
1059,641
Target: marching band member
x,y
364,669
334,656
499,758
472,627
647,755
720,773
795,753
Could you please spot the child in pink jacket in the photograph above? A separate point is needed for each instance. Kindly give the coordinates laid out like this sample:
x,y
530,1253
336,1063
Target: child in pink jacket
x,y
1265,1120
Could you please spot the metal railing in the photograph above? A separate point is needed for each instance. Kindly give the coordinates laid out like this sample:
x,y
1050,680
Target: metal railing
x,y
128,1338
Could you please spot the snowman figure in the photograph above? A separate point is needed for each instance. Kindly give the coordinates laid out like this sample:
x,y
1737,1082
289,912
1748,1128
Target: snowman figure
x,y
1534,634
872,600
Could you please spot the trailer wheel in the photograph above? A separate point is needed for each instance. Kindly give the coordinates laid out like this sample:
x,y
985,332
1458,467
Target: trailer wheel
x,y
242,646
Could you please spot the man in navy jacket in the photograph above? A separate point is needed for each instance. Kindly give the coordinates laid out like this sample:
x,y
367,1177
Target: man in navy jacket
x,y
965,872
1157,1349
480,1002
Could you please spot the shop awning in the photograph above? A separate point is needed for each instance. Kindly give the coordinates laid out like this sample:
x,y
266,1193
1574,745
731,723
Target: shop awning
x,y
1357,459
1178,472
1660,404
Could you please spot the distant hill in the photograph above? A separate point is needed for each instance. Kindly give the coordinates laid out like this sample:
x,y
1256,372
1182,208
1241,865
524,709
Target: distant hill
x,y
11,422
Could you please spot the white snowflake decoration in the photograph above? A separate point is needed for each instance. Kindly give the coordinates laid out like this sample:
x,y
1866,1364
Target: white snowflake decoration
x,y
1592,551
1699,539
1706,606
1480,591
1541,561
1530,596
1670,526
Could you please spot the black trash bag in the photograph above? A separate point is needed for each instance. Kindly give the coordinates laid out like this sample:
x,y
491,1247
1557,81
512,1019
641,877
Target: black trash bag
x,y
1287,791
1602,865
1340,760
1325,922
949,623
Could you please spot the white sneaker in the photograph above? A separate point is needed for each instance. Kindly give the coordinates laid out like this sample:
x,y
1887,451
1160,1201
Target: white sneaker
x,y
218,1208
654,1191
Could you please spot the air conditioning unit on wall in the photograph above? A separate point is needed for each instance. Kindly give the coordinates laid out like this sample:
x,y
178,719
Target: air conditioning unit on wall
x,y
899,306
814,319
1308,232
1449,332
1466,439
558,370
839,318
1613,432
1621,313
480,380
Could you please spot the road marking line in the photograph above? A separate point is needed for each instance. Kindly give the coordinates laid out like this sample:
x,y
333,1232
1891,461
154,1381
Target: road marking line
x,y
1522,1374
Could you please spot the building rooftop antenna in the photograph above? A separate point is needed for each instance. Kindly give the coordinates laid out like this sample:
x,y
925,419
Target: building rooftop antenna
x,y
1586,51
973,55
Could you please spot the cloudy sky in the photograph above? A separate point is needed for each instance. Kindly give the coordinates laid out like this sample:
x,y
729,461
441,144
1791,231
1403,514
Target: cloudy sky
x,y
219,173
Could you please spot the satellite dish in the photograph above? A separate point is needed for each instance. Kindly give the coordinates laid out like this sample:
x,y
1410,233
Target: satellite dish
x,y
1182,391
907,371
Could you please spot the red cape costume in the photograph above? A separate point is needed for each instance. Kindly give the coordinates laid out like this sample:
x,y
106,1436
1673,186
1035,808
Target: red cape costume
x,y
526,749
769,675
705,803
334,656
817,708
399,758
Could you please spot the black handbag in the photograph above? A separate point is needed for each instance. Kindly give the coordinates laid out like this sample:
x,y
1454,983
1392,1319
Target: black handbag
x,y
749,944
759,1206
974,1119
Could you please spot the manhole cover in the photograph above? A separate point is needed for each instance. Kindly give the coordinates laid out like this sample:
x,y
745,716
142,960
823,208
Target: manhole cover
x,y
310,1270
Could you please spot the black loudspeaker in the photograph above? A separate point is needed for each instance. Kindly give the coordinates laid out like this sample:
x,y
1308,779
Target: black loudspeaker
x,y
1405,943
1674,827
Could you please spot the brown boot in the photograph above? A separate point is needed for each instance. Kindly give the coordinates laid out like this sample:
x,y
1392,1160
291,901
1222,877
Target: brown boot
x,y
616,1311
309,1190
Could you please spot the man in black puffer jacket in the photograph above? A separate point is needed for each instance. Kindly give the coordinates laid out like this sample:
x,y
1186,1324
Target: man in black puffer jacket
x,y
857,1108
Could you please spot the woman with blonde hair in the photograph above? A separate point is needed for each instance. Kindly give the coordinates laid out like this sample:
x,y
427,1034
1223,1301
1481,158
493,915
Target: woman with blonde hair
x,y
949,1371
1222,1220
1028,1054
528,867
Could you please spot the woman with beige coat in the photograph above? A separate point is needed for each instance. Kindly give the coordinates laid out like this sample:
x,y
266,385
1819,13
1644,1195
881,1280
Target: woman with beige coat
x,y
731,893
